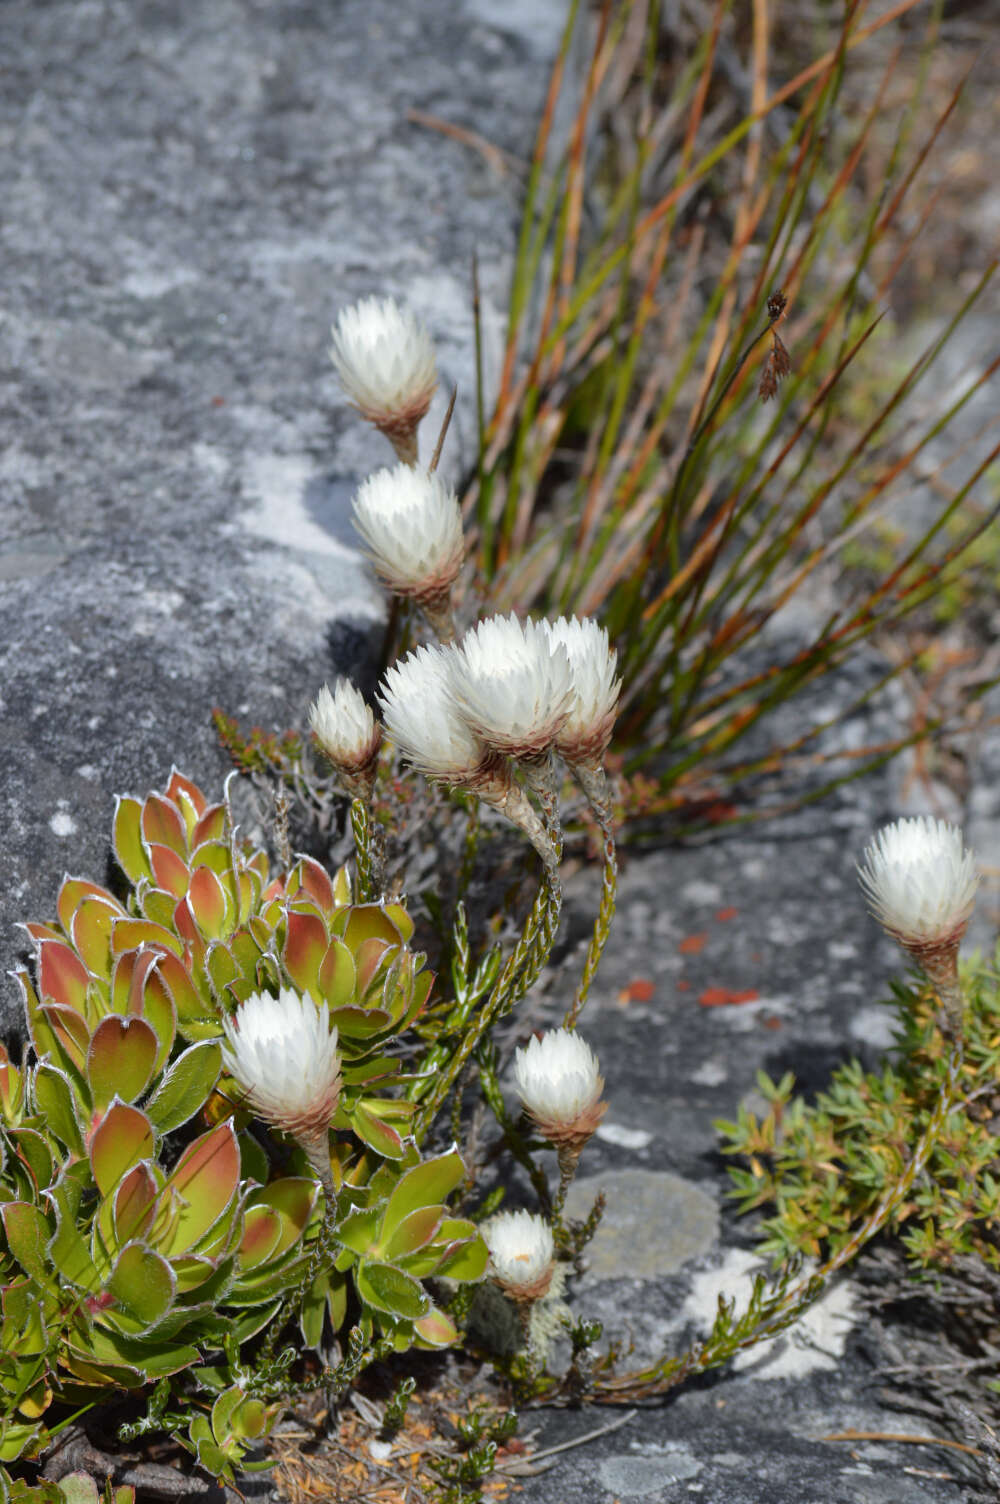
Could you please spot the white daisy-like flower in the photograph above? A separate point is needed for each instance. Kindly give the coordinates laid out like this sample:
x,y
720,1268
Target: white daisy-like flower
x,y
920,882
521,1252
385,359
411,525
512,685
586,732
345,727
284,1054
423,722
559,1081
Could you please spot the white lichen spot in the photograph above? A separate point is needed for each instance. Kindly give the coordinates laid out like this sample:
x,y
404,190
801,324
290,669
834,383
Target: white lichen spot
x,y
62,823
624,1138
712,1073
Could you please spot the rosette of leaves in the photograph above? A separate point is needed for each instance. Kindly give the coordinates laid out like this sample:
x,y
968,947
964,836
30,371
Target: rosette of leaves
x,y
135,1244
124,1261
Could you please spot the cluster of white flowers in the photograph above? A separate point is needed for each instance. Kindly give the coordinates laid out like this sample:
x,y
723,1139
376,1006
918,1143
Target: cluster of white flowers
x,y
513,686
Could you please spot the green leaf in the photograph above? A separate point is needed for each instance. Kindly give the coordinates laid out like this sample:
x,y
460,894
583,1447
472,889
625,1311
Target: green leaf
x,y
120,1059
28,1232
186,1086
57,1102
79,1488
204,1180
374,1132
427,1184
127,840
389,1289
122,1138
142,1281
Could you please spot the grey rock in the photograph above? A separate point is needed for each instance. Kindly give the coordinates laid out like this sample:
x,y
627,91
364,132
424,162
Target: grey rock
x,y
653,1223
190,195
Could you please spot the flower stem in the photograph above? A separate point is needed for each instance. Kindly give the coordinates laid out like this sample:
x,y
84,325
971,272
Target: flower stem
x,y
601,805
368,851
522,967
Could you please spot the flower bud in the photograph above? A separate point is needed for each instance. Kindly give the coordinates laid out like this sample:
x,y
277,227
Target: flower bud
x,y
559,1081
346,730
920,882
385,359
283,1052
521,1251
411,525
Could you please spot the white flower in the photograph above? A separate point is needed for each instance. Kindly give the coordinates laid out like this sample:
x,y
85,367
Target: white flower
x,y
585,735
411,525
560,1083
385,359
422,721
920,882
283,1051
345,727
521,1250
511,684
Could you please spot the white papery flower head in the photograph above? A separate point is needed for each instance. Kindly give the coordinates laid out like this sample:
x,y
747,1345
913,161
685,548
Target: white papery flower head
x,y
284,1054
920,882
586,732
423,722
411,525
521,1251
559,1081
512,685
385,359
345,727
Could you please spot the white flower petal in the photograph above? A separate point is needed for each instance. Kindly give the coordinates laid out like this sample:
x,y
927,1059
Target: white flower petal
x,y
422,721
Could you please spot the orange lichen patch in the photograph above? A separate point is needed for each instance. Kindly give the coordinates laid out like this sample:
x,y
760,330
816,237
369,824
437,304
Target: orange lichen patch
x,y
638,991
722,915
339,1468
693,945
723,997
682,984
